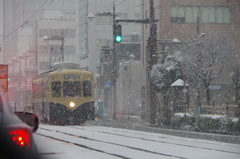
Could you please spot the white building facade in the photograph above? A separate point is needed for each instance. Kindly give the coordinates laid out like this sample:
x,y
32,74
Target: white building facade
x,y
93,34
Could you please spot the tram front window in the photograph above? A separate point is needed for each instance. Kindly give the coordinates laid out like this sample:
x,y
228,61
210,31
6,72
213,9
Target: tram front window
x,y
87,88
56,89
71,88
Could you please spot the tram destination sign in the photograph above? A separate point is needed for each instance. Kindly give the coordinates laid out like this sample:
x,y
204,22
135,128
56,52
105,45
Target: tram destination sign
x,y
71,76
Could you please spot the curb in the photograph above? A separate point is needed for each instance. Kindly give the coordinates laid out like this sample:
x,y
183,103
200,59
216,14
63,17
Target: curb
x,y
212,136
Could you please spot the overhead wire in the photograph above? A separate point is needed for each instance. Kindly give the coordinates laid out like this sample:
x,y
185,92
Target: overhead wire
x,y
26,22
34,15
121,11
76,24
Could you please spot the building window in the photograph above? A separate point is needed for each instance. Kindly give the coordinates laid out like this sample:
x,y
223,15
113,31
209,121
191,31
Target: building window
x,y
123,16
43,49
43,66
207,14
70,49
137,16
103,42
104,20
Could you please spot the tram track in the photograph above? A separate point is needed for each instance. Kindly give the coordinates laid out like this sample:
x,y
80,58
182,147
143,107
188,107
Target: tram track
x,y
95,140
164,142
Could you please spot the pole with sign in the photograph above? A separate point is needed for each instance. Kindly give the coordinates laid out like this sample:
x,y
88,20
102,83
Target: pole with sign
x,y
4,77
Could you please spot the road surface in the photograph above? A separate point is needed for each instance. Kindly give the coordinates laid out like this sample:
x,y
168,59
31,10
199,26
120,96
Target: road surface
x,y
90,142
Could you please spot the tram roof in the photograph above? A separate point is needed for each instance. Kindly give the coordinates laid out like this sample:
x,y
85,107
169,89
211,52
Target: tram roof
x,y
64,65
60,66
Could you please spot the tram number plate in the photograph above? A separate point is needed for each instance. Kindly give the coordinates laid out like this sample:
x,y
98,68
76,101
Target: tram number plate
x,y
71,76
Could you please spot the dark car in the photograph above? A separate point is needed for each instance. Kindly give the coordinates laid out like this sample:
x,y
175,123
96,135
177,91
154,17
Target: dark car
x,y
16,131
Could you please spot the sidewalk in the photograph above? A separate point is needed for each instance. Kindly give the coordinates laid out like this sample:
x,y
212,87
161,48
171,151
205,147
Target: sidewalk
x,y
139,125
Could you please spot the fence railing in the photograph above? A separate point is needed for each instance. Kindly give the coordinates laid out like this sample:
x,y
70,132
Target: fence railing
x,y
228,110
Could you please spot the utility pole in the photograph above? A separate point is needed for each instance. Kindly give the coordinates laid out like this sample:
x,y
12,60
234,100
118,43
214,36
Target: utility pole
x,y
62,48
115,68
152,44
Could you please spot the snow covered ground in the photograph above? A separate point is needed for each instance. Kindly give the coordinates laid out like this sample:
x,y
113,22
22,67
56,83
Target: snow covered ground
x,y
90,142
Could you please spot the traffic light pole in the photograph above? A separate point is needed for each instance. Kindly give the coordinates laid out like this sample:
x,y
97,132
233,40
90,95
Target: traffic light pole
x,y
114,68
152,44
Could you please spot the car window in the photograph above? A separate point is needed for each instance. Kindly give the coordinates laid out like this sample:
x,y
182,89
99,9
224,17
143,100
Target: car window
x,y
1,104
1,109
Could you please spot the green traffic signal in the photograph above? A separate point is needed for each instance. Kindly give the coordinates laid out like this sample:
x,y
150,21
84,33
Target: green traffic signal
x,y
8,79
118,38
118,33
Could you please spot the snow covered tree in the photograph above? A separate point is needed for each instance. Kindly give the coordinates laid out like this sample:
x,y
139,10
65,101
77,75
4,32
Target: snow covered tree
x,y
163,75
235,74
205,58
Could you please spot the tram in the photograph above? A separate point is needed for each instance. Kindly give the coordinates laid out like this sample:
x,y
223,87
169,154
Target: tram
x,y
64,95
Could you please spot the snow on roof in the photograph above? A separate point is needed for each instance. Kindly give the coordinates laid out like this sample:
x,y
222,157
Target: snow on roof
x,y
183,114
175,40
179,82
65,65
212,116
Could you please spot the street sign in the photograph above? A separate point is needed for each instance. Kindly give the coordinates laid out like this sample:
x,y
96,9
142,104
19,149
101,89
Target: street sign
x,y
215,86
109,83
4,77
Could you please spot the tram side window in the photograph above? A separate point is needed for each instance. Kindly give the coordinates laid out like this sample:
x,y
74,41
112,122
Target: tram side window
x,y
34,87
37,90
87,88
71,88
56,89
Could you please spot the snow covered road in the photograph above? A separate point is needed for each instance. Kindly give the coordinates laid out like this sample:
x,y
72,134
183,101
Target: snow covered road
x,y
89,142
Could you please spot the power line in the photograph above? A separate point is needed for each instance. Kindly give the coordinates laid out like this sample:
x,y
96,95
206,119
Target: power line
x,y
80,24
26,22
74,25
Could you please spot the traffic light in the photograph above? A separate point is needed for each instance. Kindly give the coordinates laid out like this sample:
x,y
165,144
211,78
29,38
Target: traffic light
x,y
118,33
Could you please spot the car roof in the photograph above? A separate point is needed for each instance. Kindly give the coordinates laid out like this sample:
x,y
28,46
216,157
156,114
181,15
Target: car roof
x,y
7,115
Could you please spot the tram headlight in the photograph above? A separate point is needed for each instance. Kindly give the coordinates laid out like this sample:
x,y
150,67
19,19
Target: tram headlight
x,y
72,104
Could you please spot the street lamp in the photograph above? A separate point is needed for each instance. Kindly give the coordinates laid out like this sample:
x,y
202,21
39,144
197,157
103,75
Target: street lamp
x,y
25,56
91,16
114,62
18,85
14,61
131,57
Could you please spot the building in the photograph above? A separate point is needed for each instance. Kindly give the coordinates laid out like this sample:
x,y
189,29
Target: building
x,y
1,30
96,32
183,21
25,23
62,24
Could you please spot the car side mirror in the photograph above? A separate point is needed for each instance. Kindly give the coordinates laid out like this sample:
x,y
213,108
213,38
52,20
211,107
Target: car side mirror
x,y
30,119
